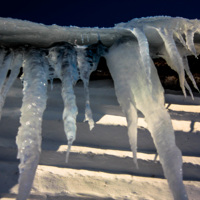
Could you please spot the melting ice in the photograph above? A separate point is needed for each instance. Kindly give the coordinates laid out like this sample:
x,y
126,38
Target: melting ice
x,y
136,83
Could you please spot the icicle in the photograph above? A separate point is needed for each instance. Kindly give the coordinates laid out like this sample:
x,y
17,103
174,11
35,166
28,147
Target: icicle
x,y
189,42
99,38
29,135
15,68
82,38
51,76
51,82
68,149
144,51
88,111
174,55
2,55
88,37
179,36
187,69
5,67
88,60
131,116
124,60
70,110
63,59
189,89
86,67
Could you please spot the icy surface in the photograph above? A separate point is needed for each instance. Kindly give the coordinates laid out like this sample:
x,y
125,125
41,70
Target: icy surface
x,y
34,102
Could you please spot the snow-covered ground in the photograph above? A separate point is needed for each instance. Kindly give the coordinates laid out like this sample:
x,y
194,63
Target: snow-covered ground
x,y
100,165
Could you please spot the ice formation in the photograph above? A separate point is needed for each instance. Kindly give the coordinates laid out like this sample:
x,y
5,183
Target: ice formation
x,y
126,66
129,49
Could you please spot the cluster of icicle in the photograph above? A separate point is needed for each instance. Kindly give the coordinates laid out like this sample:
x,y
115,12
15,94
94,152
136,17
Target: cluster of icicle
x,y
63,60
136,83
138,87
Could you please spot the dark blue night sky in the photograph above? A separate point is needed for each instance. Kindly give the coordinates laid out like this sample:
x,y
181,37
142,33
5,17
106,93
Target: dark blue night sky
x,y
91,13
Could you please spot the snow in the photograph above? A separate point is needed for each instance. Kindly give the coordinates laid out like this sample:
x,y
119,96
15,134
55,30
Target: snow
x,y
101,162
128,48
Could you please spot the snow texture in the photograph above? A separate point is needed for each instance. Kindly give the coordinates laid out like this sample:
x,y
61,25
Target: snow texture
x,y
129,49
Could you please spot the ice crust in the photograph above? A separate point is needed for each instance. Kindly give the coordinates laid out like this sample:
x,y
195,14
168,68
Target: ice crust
x,y
129,49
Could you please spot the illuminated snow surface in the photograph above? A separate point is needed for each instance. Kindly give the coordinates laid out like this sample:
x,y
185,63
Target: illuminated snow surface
x,y
72,53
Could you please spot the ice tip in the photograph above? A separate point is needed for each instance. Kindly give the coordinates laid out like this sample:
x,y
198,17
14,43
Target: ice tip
x,y
136,163
68,150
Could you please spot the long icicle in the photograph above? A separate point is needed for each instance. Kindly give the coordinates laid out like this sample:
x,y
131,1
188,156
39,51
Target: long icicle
x,y
34,103
63,59
70,110
86,68
132,118
174,55
144,51
189,89
179,36
124,62
187,69
15,68
88,59
189,42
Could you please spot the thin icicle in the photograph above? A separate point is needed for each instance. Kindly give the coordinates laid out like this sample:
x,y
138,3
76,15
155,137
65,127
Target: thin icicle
x,y
86,68
2,55
132,118
63,59
189,42
70,110
51,75
187,69
179,36
5,67
144,51
88,59
82,38
15,68
88,111
189,89
174,55
88,37
99,38
29,134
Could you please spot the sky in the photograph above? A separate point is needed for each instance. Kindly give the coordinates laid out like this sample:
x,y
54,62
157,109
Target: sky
x,y
93,13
